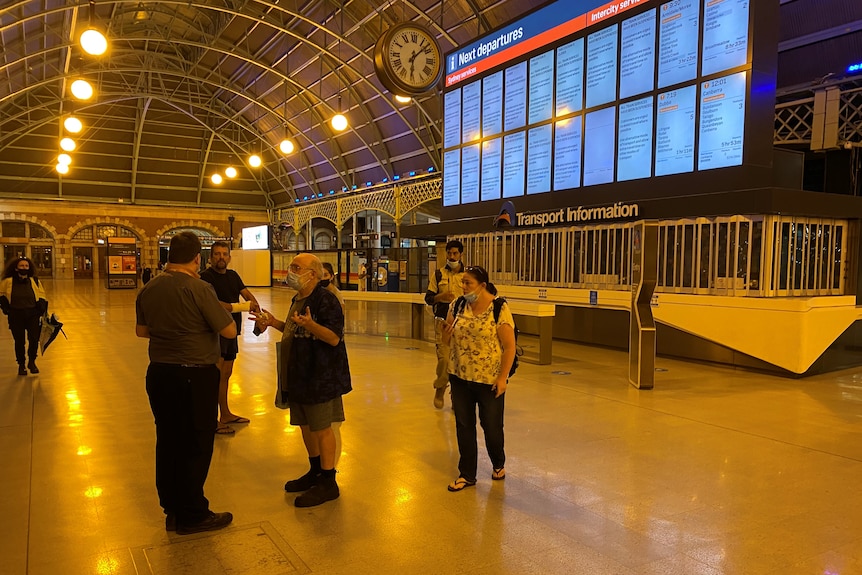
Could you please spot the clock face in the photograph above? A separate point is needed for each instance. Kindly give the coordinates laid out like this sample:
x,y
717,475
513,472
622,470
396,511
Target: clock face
x,y
411,58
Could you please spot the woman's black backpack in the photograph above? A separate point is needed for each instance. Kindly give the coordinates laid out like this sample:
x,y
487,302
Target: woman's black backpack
x,y
460,303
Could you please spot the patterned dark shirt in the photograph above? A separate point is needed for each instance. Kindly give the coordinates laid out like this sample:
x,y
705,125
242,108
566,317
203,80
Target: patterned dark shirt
x,y
312,370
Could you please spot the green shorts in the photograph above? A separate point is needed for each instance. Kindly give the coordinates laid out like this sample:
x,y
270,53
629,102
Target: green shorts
x,y
317,416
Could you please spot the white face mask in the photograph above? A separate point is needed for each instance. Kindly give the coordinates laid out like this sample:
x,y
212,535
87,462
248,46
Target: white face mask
x,y
471,297
294,281
452,264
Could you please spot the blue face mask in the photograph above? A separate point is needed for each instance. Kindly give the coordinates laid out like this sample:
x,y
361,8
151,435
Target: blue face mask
x,y
471,297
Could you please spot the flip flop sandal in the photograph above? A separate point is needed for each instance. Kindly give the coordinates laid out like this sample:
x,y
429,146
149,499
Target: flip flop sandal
x,y
237,419
460,484
225,430
499,474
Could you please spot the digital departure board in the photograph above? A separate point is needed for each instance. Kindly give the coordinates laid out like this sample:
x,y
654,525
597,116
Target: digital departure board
x,y
584,93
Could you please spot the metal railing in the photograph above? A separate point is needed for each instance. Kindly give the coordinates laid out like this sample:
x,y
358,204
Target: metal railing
x,y
761,256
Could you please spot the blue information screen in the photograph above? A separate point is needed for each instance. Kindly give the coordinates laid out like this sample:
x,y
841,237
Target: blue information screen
x,y
541,88
722,122
471,112
674,152
650,88
515,106
725,35
678,42
470,174
567,153
539,160
491,162
452,178
492,105
514,164
599,146
452,118
634,152
637,60
602,67
570,77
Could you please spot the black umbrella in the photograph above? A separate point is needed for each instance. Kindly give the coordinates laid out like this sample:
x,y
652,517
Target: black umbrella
x,y
51,328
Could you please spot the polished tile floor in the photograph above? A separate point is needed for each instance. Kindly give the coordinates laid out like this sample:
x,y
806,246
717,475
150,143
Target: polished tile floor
x,y
715,471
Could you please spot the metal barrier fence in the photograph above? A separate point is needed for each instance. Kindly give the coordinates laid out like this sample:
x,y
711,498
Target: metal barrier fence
x,y
761,256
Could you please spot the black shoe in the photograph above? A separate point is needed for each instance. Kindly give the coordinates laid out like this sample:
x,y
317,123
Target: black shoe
x,y
170,522
212,523
303,483
326,490
32,367
21,369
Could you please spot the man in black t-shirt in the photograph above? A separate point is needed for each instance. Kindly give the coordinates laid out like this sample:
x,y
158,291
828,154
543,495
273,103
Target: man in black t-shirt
x,y
182,319
228,287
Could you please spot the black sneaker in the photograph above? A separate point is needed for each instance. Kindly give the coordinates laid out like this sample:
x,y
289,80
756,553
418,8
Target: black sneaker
x,y
303,483
32,367
326,490
212,523
21,369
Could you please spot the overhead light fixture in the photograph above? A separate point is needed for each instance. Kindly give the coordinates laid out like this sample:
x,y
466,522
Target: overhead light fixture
x,y
230,172
94,42
68,144
403,99
62,168
339,122
64,159
73,124
82,89
216,179
286,146
254,161
141,13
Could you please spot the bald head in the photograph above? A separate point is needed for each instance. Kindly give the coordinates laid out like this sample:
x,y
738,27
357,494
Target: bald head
x,y
310,262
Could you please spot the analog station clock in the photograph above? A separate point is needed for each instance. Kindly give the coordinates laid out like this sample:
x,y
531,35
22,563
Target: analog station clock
x,y
408,60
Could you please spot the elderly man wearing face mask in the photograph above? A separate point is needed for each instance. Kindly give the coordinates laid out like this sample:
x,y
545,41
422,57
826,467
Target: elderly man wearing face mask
x,y
23,299
314,375
444,288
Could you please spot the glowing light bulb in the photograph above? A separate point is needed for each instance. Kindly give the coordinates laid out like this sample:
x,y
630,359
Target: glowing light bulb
x,y
254,161
94,42
68,144
230,172
73,124
216,179
403,99
339,122
286,146
82,89
62,168
64,159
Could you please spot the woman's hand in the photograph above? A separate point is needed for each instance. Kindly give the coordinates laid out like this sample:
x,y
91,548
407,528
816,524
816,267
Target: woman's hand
x,y
500,386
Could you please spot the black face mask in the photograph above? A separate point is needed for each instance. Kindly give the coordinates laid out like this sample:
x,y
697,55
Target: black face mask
x,y
23,275
324,283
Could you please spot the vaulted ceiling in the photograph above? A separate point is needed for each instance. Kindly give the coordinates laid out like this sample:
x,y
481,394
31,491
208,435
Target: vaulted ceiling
x,y
189,87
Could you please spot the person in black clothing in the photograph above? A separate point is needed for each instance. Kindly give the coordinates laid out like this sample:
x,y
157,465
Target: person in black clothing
x,y
315,373
228,287
181,317
146,276
22,298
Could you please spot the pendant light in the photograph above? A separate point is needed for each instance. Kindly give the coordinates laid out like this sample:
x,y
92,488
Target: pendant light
x,y
339,121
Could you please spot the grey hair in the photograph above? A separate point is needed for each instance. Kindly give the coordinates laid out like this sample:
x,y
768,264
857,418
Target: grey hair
x,y
316,266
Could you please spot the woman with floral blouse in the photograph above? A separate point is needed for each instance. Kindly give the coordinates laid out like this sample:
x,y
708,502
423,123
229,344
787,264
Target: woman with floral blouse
x,y
481,353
